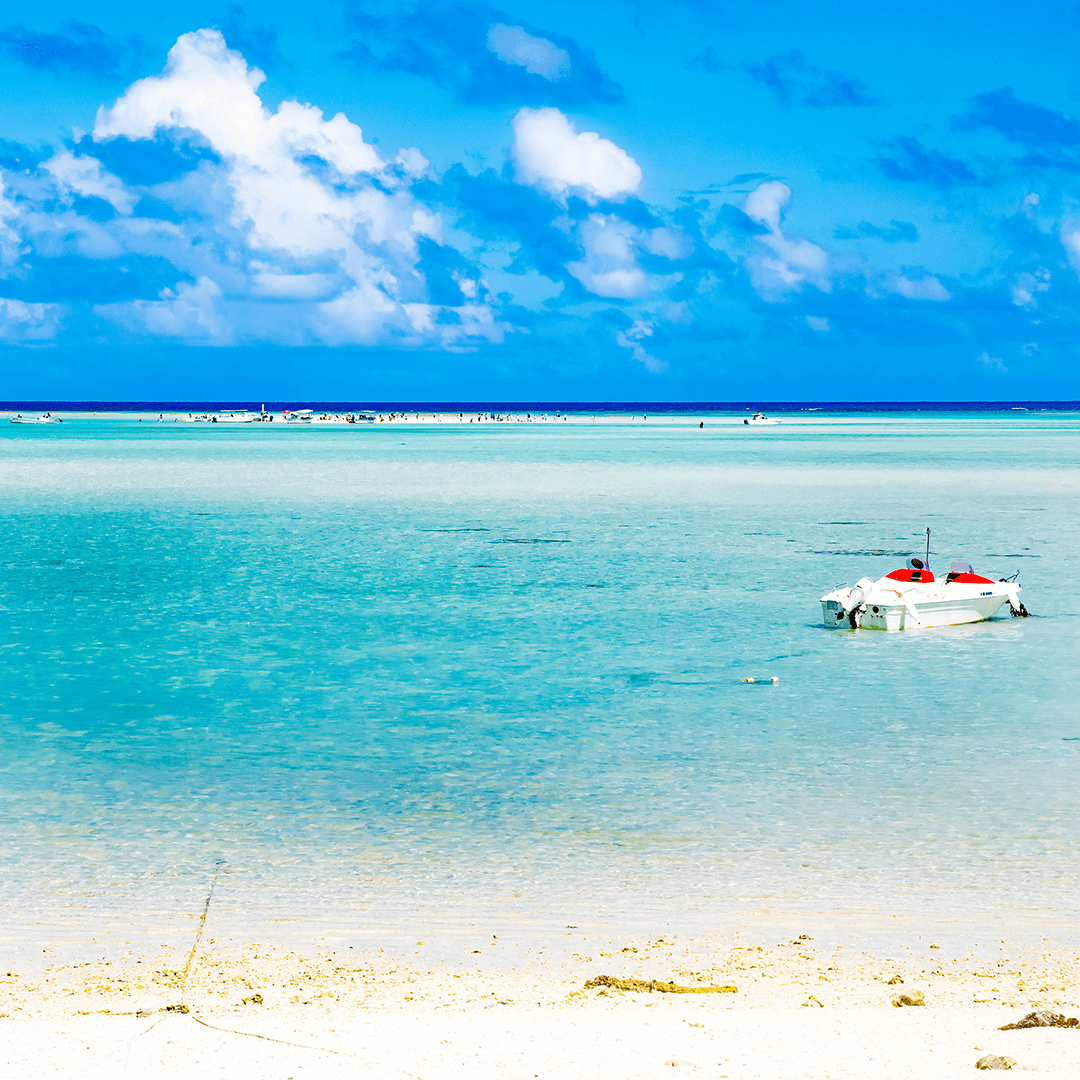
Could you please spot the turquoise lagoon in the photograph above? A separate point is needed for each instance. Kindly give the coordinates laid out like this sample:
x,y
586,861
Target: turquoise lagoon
x,y
392,677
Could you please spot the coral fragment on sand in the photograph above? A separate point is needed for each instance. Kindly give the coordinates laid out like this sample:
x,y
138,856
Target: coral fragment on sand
x,y
1042,1018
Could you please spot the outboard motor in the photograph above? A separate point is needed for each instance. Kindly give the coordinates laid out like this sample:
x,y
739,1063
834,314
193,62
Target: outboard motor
x,y
856,600
1016,605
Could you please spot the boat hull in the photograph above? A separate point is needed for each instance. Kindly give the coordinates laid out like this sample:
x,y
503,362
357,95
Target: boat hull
x,y
927,613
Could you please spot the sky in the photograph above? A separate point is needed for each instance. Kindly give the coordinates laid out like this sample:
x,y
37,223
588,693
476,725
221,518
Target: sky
x,y
678,201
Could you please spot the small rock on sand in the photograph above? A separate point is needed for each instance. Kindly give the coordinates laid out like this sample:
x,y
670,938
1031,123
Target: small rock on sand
x,y
915,997
1042,1018
896,980
677,1062
994,1061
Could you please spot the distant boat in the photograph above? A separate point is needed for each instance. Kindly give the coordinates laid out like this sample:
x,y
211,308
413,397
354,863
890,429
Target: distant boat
x,y
235,416
45,418
760,418
297,416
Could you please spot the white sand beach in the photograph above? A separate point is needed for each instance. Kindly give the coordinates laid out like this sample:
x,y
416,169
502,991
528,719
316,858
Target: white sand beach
x,y
500,1010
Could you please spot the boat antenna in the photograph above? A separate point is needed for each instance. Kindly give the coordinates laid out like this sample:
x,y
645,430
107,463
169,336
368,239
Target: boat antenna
x,y
927,549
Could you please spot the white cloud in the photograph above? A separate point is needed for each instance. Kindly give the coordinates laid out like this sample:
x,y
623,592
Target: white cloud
x,y
11,245
992,362
781,264
610,265
86,177
815,322
535,54
191,313
1070,239
631,339
1027,285
926,288
765,203
299,233
551,154
665,242
21,322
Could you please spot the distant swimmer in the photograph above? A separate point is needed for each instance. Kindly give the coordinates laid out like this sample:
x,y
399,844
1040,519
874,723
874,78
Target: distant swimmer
x,y
702,424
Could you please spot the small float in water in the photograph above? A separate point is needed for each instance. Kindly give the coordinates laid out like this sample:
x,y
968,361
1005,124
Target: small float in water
x,y
913,597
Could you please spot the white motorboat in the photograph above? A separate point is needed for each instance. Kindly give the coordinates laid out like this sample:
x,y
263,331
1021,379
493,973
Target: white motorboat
x,y
297,416
914,597
760,418
45,418
235,416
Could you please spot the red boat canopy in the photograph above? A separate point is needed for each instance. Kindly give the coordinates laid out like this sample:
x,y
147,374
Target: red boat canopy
x,y
911,575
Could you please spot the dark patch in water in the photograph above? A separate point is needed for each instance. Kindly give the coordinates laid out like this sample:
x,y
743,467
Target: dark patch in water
x,y
529,540
868,551
452,530
841,522
1014,555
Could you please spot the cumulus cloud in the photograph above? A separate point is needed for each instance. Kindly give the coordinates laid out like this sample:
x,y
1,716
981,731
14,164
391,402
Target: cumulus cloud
x,y
552,154
86,177
782,264
922,288
536,55
10,242
610,266
191,313
816,322
21,322
1027,285
631,339
1070,240
992,362
313,236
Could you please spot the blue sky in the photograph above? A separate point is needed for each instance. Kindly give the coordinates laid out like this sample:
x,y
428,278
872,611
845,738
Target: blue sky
x,y
637,201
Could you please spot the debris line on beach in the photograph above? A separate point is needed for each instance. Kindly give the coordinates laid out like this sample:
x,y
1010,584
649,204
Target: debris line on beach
x,y
655,986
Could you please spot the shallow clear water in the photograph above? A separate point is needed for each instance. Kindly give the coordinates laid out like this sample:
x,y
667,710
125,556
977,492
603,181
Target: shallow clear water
x,y
392,674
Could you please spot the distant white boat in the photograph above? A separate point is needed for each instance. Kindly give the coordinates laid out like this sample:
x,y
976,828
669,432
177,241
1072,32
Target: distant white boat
x,y
297,416
44,418
760,418
235,416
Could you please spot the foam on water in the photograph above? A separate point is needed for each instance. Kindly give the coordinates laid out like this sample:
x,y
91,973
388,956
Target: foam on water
x,y
394,676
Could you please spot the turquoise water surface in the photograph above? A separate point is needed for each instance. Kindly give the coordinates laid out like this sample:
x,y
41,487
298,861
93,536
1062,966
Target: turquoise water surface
x,y
387,675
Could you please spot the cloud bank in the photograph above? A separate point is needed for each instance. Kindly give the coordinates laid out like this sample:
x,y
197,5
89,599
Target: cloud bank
x,y
194,214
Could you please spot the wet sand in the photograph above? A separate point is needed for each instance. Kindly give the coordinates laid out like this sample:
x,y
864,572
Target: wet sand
x,y
495,1008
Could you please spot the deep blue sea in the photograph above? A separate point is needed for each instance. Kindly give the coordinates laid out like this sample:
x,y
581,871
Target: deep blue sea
x,y
397,675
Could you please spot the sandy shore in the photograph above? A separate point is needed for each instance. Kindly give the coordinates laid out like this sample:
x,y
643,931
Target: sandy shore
x,y
492,1008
